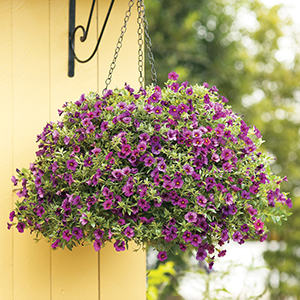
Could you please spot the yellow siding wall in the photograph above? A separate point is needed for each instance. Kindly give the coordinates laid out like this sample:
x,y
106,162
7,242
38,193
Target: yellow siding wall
x,y
33,85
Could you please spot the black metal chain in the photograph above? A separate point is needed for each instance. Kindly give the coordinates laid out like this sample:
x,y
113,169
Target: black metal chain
x,y
140,20
143,28
149,47
119,44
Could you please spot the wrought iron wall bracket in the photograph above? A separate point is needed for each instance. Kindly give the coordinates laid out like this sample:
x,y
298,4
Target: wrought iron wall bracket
x,y
72,32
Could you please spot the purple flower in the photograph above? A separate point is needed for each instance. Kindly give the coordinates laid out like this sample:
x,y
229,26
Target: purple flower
x,y
182,108
142,146
122,105
161,166
175,87
77,232
173,110
144,137
21,226
177,182
129,232
98,233
189,91
119,245
155,97
226,154
201,253
104,126
14,180
38,181
173,76
187,236
237,237
149,160
245,228
258,224
40,211
97,245
67,235
196,240
156,149
148,108
227,167
162,255
188,169
12,215
55,244
158,110
201,200
107,204
72,164
83,219
191,217
88,162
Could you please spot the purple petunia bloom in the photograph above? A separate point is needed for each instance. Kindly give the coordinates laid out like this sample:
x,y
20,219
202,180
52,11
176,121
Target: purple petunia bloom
x,y
55,244
188,169
173,75
148,108
156,149
119,245
196,240
177,182
149,160
226,154
98,233
104,126
21,226
245,228
77,232
97,245
144,137
237,237
14,180
88,162
107,204
201,200
40,211
142,146
122,105
67,235
162,255
129,232
201,253
158,110
187,236
173,110
12,215
72,164
161,166
189,91
38,181
191,217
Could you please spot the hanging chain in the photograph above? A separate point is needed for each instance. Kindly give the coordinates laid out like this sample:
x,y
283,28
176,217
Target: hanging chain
x,y
140,20
142,29
119,44
149,47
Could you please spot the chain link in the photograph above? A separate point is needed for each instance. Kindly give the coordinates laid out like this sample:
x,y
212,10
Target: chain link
x,y
142,30
119,44
149,47
140,20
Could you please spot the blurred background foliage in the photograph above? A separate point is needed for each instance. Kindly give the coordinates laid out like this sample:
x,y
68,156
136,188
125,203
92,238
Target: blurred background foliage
x,y
251,53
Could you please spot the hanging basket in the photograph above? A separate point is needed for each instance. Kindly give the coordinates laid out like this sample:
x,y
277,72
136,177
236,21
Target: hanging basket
x,y
158,166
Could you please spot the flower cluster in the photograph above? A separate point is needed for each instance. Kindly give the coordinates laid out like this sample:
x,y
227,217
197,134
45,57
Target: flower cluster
x,y
160,167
